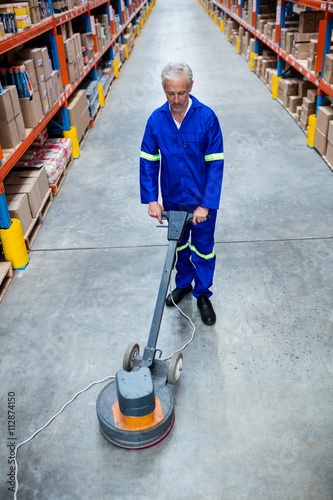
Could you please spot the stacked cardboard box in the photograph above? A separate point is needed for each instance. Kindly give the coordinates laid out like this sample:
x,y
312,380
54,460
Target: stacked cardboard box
x,y
328,68
324,116
79,112
43,75
74,58
12,130
329,149
25,191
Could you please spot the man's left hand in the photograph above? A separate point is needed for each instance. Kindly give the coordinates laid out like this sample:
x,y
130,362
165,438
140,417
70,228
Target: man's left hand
x,y
200,215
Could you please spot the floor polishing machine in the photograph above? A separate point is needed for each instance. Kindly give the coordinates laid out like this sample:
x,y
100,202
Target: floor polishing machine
x,y
136,410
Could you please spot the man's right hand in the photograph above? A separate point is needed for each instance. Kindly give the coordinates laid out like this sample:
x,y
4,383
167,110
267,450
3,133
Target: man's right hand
x,y
155,210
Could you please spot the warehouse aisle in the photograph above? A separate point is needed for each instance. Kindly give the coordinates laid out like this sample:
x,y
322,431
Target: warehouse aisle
x,y
254,404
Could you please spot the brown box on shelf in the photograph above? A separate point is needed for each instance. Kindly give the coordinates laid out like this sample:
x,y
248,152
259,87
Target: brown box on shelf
x,y
34,54
14,98
294,101
303,87
29,111
69,50
289,42
312,94
77,44
46,63
57,84
40,75
38,173
324,116
9,136
328,68
329,154
35,15
30,187
304,37
73,71
308,106
307,22
6,107
50,92
18,206
330,132
79,112
44,98
320,16
320,142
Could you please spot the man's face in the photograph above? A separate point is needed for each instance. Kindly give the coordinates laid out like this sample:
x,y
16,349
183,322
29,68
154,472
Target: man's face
x,y
177,93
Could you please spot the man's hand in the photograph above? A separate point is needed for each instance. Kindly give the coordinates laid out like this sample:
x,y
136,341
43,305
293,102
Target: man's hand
x,y
155,210
200,215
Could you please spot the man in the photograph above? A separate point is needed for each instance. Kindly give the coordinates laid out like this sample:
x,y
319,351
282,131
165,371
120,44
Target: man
x,y
182,150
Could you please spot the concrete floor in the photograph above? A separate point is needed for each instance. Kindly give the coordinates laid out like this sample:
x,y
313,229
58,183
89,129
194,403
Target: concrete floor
x,y
254,404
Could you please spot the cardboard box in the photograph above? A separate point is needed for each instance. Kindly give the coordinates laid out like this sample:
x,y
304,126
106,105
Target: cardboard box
x,y
320,142
20,127
329,153
46,63
330,132
324,116
73,71
38,173
6,107
29,111
50,92
9,136
56,84
28,185
328,68
18,206
34,54
294,101
307,22
70,50
14,98
40,75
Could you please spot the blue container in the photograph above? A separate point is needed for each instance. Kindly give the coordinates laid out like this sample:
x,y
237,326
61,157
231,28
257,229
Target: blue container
x,y
5,220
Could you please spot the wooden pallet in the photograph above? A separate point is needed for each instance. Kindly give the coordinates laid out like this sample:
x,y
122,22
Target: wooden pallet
x,y
56,186
37,221
6,276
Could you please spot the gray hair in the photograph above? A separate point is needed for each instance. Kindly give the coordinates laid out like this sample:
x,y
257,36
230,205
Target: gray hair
x,y
173,70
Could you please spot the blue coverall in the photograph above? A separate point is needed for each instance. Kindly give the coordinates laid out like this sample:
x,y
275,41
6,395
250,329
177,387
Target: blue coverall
x,y
187,163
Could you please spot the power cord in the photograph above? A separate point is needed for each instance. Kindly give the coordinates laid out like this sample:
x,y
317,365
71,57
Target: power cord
x,y
48,423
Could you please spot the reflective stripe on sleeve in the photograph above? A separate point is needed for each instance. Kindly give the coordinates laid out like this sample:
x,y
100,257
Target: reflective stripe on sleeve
x,y
149,157
214,156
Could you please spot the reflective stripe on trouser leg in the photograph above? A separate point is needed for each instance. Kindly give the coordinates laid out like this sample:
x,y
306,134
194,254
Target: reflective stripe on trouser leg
x,y
203,255
185,269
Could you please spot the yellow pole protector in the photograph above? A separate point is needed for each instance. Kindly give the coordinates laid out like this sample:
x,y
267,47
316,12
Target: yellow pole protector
x,y
13,245
101,95
116,68
275,86
72,134
311,130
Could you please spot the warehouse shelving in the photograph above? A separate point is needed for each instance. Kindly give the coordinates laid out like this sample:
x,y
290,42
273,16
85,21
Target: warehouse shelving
x,y
324,37
49,27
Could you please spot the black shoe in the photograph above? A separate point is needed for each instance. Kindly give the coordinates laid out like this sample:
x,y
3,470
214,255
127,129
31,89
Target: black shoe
x,y
177,295
208,315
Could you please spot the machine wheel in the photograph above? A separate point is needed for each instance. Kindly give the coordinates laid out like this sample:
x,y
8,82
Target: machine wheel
x,y
175,368
132,351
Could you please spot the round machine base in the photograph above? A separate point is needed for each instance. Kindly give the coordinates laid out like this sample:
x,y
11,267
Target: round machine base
x,y
137,439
